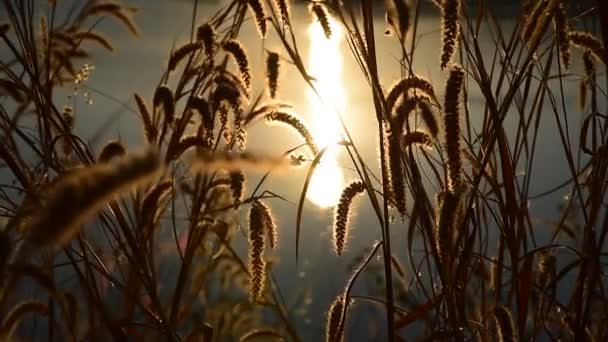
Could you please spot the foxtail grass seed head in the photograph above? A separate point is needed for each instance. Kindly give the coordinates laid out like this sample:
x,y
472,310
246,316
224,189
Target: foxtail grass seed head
x,y
272,73
429,118
116,10
175,151
237,184
149,211
402,87
182,52
112,149
395,170
587,81
450,29
270,226
207,161
505,327
590,42
237,51
149,128
399,10
257,264
283,8
318,10
206,34
17,314
342,214
560,23
257,8
444,238
295,123
334,320
546,268
532,20
95,37
76,197
417,138
452,125
202,107
163,97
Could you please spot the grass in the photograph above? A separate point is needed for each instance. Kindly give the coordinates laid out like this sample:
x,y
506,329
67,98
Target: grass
x,y
486,271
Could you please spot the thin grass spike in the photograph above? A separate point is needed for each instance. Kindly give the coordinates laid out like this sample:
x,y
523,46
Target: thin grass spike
x,y
452,125
334,319
149,129
112,149
86,191
237,51
181,53
257,8
318,10
450,28
257,263
342,215
297,124
272,73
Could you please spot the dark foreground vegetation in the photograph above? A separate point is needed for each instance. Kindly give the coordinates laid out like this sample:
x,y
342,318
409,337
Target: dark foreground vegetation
x,y
89,229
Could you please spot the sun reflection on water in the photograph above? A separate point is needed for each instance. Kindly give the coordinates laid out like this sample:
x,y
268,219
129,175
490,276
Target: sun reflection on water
x,y
325,64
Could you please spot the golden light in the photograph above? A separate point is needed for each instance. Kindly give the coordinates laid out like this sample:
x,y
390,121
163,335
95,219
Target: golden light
x,y
325,64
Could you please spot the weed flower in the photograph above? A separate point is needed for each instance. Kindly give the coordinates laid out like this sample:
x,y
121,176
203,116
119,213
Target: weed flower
x,y
272,73
334,319
296,124
450,28
237,51
590,42
320,13
257,9
112,149
75,197
257,264
183,51
149,128
163,96
342,214
452,125
206,34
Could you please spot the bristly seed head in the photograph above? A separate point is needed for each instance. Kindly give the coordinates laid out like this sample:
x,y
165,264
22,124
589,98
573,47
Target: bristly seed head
x,y
450,23
452,125
318,9
334,320
272,73
257,8
206,34
341,216
237,51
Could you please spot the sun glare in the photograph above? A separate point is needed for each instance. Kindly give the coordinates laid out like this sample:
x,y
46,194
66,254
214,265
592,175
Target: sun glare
x,y
325,64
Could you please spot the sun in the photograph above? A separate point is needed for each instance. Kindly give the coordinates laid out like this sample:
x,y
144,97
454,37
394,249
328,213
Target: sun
x,y
325,64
